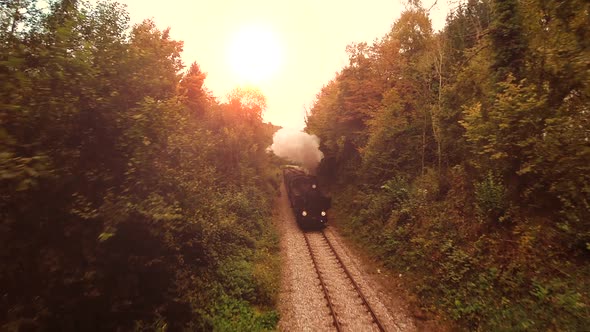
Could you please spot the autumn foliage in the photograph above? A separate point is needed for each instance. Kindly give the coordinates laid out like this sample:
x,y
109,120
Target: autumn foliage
x,y
130,198
462,157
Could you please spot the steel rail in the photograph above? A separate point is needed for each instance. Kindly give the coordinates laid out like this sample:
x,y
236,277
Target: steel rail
x,y
356,286
324,288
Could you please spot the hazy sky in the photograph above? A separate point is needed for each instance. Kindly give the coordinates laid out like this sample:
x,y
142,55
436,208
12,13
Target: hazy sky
x,y
301,44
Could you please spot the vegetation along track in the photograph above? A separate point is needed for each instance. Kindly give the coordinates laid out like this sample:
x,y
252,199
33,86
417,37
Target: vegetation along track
x,y
339,286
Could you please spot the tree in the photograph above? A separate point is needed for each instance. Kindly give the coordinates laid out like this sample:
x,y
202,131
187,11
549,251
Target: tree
x,y
112,180
191,87
476,144
505,138
507,39
249,103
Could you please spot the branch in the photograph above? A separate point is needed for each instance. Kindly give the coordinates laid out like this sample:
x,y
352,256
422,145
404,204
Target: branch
x,y
434,4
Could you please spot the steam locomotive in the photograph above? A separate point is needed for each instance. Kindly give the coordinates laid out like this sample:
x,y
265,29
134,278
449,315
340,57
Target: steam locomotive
x,y
309,204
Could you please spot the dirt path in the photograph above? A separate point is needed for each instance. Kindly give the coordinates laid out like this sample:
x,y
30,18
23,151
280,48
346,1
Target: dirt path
x,y
301,303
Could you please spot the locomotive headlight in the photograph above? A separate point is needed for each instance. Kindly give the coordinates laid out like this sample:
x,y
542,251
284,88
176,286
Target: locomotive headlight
x,y
323,213
304,213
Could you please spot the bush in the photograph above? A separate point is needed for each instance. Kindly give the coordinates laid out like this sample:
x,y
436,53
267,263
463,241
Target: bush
x,y
122,207
235,315
490,198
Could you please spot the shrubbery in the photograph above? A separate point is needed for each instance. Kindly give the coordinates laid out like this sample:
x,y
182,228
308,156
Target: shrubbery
x,y
480,275
486,122
490,198
128,201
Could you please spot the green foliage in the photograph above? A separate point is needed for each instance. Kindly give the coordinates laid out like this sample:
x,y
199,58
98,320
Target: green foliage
x,y
506,134
130,198
266,264
395,191
425,133
485,282
508,41
231,315
490,198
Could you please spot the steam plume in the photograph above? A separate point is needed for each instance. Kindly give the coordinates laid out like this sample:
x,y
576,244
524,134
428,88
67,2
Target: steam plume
x,y
298,147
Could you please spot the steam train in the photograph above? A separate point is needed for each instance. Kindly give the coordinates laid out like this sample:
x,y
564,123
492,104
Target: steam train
x,y
309,204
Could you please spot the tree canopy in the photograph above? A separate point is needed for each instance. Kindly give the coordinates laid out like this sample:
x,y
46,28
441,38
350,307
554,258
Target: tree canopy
x,y
130,197
477,135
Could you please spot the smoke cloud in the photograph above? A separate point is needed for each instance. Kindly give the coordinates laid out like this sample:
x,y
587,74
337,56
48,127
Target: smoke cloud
x,y
298,147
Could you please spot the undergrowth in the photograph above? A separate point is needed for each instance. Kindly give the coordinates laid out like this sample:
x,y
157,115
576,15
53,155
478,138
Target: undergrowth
x,y
463,260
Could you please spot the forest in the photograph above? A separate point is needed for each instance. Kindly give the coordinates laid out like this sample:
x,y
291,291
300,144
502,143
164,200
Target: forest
x,y
460,159
131,199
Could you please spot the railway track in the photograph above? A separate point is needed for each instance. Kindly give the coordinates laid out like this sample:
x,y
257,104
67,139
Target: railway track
x,y
339,286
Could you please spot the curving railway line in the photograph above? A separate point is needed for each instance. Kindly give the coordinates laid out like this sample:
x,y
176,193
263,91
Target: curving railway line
x,y
339,287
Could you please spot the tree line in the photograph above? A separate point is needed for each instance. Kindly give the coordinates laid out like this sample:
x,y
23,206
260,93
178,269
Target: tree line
x,y
463,156
131,199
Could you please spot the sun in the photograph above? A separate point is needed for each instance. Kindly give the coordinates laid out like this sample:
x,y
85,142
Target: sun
x,y
254,54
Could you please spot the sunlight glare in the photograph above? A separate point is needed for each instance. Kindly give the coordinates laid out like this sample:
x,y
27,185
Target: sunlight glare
x,y
254,54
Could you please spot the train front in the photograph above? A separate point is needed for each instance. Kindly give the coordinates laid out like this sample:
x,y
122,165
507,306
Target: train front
x,y
313,214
